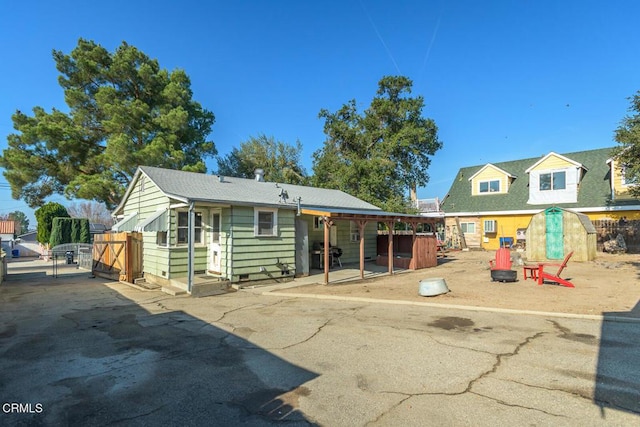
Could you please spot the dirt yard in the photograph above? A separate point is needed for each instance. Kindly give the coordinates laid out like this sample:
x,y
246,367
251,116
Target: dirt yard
x,y
609,285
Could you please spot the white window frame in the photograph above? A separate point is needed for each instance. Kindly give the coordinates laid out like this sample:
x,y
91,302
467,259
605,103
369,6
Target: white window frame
x,y
274,222
318,223
465,225
197,241
490,226
354,232
488,182
623,178
552,180
162,238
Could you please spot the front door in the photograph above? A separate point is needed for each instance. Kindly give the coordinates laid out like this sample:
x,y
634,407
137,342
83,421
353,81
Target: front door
x,y
214,243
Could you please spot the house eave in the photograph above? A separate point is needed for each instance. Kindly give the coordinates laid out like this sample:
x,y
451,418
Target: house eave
x,y
552,153
621,208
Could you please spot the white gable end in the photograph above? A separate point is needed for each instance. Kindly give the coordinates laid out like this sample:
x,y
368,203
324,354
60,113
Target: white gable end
x,y
554,186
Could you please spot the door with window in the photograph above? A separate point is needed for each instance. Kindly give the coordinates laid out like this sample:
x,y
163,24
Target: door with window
x,y
214,243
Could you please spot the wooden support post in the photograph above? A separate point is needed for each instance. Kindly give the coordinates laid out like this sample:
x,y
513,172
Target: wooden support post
x,y
414,254
361,226
327,227
390,225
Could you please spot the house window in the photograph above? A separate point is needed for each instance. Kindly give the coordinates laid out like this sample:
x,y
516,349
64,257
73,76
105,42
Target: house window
x,y
183,227
553,181
492,186
468,227
265,222
489,225
624,180
354,231
215,227
318,223
161,238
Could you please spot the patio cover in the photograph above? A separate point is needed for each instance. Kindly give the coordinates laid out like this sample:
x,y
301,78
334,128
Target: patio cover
x,y
126,224
156,222
361,217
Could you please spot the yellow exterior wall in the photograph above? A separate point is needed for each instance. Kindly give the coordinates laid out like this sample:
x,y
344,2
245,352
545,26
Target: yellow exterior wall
x,y
629,215
553,162
489,174
620,191
506,226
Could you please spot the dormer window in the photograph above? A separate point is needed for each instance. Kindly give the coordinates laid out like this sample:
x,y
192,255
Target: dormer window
x,y
492,186
490,179
553,181
624,179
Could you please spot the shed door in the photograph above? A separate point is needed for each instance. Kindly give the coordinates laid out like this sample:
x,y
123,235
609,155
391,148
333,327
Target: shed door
x,y
555,241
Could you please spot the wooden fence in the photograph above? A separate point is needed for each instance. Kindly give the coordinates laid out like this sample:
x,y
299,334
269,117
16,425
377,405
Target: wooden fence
x,y
408,254
118,256
609,229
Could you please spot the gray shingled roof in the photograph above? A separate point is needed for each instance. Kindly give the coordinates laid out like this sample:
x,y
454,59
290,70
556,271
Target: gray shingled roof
x,y
594,190
241,191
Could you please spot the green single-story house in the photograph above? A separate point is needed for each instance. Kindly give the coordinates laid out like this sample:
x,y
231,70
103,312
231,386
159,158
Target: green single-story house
x,y
243,229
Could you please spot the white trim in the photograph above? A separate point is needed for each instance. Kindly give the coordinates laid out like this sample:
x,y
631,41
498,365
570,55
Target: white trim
x,y
489,181
623,178
200,243
125,220
467,226
493,166
535,211
566,159
142,225
256,213
179,205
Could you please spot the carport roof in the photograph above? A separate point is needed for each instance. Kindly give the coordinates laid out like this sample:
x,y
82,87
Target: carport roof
x,y
363,214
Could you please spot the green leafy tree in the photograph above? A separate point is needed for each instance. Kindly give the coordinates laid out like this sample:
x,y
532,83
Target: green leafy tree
x,y
379,154
45,216
279,160
19,216
628,152
124,111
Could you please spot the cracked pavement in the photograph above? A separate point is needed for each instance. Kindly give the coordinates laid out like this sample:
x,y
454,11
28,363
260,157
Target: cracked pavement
x,y
103,353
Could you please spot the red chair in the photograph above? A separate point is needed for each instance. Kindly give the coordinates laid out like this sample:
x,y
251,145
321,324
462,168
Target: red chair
x,y
536,272
502,261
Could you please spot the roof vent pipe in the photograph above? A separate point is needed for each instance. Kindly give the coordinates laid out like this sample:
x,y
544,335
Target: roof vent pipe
x,y
221,178
259,175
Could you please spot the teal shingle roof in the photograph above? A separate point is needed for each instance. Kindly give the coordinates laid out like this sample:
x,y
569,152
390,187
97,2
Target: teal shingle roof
x,y
594,188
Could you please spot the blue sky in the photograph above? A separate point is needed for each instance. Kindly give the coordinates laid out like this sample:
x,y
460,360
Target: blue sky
x,y
503,80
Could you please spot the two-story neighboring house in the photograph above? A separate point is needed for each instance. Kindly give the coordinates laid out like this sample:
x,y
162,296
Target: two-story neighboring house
x,y
497,200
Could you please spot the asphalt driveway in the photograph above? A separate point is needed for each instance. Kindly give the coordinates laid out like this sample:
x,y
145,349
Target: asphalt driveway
x,y
81,351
